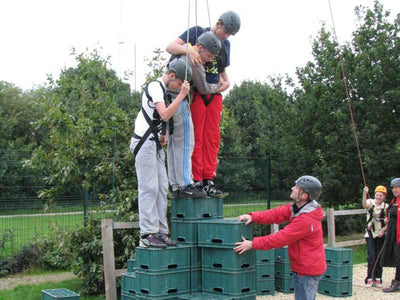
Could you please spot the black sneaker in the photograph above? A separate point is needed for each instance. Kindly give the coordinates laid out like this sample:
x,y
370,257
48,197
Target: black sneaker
x,y
211,190
191,191
152,240
166,239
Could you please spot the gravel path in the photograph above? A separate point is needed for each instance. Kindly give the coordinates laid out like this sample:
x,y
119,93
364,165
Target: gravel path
x,y
359,290
12,281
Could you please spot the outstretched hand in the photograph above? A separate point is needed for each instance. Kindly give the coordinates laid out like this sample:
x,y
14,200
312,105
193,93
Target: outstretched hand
x,y
242,247
248,219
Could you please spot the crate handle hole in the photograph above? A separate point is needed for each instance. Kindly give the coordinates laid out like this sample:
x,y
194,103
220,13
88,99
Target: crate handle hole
x,y
181,216
265,260
144,291
245,266
181,239
132,292
217,265
172,291
345,277
216,241
173,266
206,216
265,291
265,276
146,267
245,290
219,290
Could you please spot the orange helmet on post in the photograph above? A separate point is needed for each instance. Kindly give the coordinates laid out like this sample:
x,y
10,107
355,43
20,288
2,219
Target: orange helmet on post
x,y
381,188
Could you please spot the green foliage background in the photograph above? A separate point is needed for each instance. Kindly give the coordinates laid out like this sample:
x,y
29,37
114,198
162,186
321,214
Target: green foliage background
x,y
74,133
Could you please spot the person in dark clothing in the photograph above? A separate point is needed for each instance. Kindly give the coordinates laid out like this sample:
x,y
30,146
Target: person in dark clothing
x,y
391,253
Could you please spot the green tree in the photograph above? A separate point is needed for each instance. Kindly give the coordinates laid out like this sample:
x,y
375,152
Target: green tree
x,y
88,115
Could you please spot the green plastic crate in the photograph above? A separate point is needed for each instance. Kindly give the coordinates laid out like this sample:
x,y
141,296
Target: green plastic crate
x,y
131,265
162,259
184,232
229,282
265,271
338,272
265,257
126,296
284,284
336,288
265,286
164,283
196,209
282,268
282,254
204,296
129,283
168,297
62,294
195,256
339,255
226,259
222,233
195,280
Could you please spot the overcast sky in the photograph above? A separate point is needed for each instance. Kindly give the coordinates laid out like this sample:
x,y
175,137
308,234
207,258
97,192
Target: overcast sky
x,y
275,36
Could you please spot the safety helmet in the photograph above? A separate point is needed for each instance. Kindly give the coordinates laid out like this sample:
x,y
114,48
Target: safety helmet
x,y
311,185
395,182
231,22
381,188
210,41
179,67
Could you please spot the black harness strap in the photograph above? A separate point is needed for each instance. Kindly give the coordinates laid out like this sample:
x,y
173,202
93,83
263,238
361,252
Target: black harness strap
x,y
156,125
205,100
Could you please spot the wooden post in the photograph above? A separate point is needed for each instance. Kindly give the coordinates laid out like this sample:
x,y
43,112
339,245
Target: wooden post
x,y
274,228
109,259
330,215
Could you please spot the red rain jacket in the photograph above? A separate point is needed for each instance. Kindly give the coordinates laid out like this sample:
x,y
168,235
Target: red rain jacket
x,y
303,235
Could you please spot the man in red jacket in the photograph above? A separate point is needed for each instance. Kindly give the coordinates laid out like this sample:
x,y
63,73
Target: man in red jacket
x,y
303,235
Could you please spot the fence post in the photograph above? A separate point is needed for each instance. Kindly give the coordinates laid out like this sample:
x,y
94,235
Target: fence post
x,y
109,259
268,163
85,207
330,215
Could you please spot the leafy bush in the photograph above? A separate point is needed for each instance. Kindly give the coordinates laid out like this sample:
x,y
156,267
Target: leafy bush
x,y
23,260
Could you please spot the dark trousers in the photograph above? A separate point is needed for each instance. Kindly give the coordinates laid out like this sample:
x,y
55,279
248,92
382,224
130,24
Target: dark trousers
x,y
374,246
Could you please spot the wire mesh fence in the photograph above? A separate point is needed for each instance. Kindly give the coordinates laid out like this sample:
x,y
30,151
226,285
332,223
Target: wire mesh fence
x,y
24,216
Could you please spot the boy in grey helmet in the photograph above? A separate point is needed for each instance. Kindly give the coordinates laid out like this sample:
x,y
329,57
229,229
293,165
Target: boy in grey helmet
x,y
206,106
150,134
181,142
303,235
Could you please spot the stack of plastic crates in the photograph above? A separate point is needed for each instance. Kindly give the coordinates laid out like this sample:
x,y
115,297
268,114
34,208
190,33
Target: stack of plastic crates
x,y
265,272
283,274
338,278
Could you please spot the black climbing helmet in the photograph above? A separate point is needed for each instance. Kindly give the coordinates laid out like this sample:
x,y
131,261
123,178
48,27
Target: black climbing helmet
x,y
311,185
231,22
210,41
179,67
395,182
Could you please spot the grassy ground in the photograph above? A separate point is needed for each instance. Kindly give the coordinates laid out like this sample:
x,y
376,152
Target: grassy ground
x,y
34,291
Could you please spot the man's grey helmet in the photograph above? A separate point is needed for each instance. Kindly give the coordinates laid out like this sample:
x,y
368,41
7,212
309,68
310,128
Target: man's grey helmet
x,y
231,22
311,185
210,41
395,182
179,67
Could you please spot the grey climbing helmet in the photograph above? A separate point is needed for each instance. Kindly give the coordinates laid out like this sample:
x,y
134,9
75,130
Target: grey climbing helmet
x,y
210,41
395,182
311,185
231,22
179,67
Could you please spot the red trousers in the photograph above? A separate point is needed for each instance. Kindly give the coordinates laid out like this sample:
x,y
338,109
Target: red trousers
x,y
206,119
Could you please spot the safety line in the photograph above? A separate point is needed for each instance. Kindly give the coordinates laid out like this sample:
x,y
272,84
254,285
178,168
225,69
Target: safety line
x,y
348,97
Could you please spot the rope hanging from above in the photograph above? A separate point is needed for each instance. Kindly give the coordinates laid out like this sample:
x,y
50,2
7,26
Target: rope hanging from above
x,y
348,97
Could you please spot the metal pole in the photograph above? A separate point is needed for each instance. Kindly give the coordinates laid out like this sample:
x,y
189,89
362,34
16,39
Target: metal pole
x,y
268,163
85,207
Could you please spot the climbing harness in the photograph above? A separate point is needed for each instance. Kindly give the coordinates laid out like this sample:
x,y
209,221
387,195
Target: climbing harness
x,y
156,124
